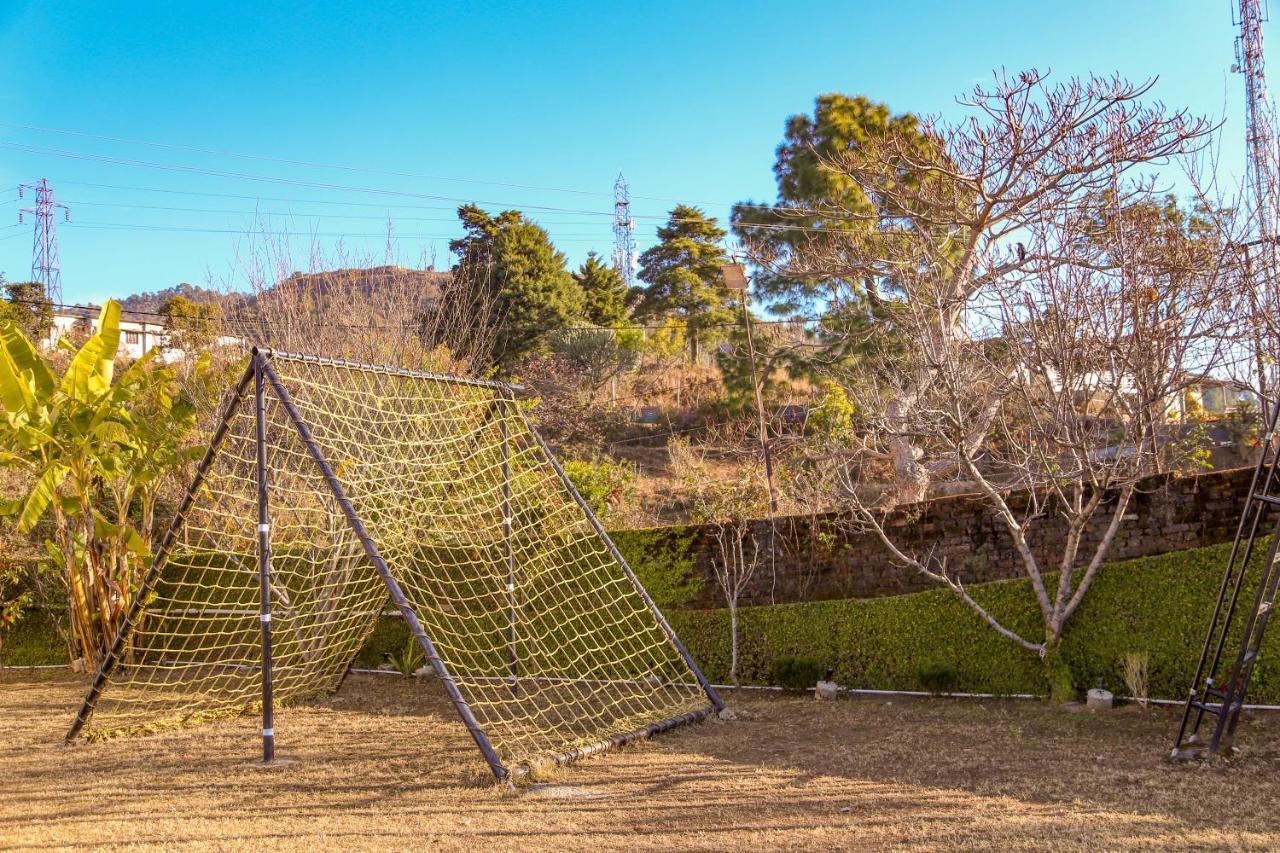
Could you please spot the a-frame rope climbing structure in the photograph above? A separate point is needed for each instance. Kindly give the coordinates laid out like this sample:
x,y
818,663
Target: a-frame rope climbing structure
x,y
330,488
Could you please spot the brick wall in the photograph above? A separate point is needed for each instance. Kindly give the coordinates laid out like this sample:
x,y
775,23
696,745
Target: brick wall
x,y
820,558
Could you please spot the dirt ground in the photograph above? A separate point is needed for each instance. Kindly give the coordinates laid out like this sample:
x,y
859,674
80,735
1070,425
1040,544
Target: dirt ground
x,y
385,765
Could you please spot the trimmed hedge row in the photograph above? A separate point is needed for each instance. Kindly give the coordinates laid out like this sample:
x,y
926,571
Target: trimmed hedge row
x,y
1159,605
33,642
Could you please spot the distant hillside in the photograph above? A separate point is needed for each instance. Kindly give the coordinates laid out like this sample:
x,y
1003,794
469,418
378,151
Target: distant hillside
x,y
343,285
367,282
153,301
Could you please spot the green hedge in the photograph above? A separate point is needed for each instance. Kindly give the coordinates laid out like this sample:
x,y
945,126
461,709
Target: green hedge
x,y
1159,605
663,559
33,641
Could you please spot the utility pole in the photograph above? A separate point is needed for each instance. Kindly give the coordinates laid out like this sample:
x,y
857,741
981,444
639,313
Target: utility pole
x,y
45,266
735,278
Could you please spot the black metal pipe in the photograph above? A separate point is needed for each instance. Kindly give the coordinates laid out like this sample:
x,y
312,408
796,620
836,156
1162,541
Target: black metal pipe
x,y
617,555
390,371
264,561
380,564
621,739
1237,568
109,662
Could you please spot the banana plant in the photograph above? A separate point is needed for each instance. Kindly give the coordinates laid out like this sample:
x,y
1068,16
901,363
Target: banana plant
x,y
98,447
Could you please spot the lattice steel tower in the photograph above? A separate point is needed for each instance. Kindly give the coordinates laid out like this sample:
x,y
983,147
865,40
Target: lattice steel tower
x,y
1260,129
624,244
45,266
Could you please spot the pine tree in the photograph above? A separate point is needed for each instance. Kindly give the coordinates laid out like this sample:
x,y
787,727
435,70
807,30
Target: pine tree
x,y
604,292
683,276
510,263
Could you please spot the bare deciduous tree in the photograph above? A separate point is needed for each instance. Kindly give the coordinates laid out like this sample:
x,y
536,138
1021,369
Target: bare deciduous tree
x,y
727,506
346,306
1046,309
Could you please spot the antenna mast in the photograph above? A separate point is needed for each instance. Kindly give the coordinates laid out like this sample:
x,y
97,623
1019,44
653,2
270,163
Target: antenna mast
x,y
45,266
624,247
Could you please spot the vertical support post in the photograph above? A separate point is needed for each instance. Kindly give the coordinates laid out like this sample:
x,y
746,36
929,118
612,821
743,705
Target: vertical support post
x,y
161,557
510,546
264,562
762,421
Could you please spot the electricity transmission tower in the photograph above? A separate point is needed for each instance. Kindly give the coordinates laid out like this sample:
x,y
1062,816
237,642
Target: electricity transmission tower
x,y
624,246
45,267
1230,651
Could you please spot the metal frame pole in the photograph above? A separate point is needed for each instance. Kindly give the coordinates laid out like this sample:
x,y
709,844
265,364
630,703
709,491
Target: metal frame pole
x,y
617,555
510,546
1264,474
380,565
109,663
264,562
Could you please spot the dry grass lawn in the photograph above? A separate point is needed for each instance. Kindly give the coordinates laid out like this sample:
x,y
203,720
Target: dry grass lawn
x,y
385,765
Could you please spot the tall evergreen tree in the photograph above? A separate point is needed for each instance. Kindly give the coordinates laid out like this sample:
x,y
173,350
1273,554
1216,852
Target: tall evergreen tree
x,y
604,291
812,195
682,274
510,264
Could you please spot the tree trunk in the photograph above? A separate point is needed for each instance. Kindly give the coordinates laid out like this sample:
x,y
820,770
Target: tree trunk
x,y
911,480
733,643
1057,674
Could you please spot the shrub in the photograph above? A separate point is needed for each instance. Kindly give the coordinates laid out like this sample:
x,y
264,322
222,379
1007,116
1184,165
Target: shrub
x,y
937,677
796,673
409,658
1161,604
1133,666
600,483
663,559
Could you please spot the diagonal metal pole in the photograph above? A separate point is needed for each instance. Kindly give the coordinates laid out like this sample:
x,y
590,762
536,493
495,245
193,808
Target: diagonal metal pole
x,y
136,607
672,637
380,564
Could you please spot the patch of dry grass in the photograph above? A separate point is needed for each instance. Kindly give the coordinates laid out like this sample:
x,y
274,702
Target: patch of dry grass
x,y
385,764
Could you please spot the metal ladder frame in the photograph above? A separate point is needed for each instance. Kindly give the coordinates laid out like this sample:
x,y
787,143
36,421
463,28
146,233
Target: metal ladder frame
x,y
1224,702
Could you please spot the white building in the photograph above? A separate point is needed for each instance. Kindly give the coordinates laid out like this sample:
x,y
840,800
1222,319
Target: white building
x,y
139,332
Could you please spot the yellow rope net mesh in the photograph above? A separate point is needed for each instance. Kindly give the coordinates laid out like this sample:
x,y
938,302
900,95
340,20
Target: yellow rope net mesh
x,y
548,641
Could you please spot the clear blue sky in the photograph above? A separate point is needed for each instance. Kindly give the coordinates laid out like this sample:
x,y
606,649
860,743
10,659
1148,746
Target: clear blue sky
x,y
688,99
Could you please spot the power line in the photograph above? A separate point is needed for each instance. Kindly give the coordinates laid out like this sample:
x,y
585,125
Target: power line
x,y
337,166
384,217
194,229
272,179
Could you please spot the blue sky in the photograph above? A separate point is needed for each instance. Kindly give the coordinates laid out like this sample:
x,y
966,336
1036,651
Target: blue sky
x,y
687,99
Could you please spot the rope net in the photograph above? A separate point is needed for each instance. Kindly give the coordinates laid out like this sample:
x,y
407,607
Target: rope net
x,y
548,641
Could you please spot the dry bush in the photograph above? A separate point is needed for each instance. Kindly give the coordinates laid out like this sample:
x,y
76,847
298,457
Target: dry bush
x,y
1133,668
345,305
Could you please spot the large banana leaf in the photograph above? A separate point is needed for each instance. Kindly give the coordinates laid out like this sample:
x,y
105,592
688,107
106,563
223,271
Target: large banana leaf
x,y
27,360
89,374
41,496
15,391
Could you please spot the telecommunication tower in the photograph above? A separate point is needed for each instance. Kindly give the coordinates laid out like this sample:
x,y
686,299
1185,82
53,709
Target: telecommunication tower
x,y
45,266
1260,131
624,246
